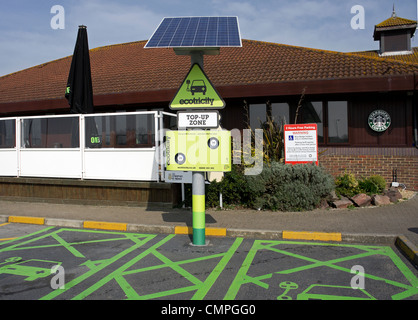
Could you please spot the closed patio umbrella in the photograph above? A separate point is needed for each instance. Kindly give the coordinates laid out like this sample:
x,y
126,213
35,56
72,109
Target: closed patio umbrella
x,y
79,92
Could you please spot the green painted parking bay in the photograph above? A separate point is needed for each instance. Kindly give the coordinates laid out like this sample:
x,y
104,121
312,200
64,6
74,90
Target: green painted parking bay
x,y
119,265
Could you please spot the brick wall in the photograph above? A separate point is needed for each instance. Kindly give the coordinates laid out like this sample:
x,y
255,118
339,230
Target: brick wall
x,y
364,162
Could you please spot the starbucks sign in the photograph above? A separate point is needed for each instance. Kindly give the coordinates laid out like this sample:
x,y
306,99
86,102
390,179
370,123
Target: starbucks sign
x,y
379,120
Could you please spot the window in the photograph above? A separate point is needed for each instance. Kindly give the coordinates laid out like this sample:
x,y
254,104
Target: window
x,y
280,113
120,131
331,117
258,115
337,122
7,134
396,41
312,112
50,133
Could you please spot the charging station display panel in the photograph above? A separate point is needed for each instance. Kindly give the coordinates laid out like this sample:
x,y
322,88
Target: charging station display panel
x,y
198,150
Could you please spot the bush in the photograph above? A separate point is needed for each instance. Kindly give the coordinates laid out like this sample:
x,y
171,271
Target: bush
x,y
373,185
289,187
234,188
379,181
347,185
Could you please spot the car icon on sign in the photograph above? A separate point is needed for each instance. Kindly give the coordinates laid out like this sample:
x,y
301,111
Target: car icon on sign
x,y
198,86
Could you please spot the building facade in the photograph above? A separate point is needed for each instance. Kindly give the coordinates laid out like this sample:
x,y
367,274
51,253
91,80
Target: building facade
x,y
365,103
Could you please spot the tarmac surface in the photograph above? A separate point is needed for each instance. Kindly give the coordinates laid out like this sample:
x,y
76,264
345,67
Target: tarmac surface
x,y
372,223
394,224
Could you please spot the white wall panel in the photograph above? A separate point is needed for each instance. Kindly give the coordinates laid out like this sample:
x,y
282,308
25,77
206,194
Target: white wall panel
x,y
119,164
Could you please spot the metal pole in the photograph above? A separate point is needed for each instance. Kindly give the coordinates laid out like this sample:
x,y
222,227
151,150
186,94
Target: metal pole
x,y
198,186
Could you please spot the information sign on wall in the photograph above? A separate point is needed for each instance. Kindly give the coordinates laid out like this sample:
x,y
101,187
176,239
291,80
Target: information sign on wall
x,y
301,143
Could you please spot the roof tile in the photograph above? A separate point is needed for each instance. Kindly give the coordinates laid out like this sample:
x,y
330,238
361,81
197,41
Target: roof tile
x,y
395,21
128,67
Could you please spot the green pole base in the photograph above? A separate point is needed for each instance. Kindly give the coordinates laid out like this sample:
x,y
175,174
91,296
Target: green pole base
x,y
199,237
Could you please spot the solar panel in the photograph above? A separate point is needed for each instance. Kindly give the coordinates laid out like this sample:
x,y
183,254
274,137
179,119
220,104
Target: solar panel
x,y
191,32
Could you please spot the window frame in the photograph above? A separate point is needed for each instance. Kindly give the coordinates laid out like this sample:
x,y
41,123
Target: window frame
x,y
292,114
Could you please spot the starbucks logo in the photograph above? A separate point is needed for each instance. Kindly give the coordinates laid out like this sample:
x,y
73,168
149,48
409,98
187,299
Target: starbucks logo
x,y
379,120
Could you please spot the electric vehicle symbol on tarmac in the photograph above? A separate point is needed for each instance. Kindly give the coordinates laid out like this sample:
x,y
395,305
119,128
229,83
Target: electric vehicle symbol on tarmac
x,y
31,269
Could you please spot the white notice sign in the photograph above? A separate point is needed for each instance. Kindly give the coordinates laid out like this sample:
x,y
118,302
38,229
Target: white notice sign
x,y
198,119
301,143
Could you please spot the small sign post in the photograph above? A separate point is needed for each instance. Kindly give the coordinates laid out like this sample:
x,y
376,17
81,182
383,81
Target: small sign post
x,y
198,151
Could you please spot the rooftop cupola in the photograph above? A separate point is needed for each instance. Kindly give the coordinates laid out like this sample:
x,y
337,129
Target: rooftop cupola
x,y
395,35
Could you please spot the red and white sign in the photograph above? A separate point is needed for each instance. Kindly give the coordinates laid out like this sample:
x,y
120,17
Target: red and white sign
x,y
301,143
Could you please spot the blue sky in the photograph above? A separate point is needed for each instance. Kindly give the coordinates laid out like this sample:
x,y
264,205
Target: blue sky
x,y
27,39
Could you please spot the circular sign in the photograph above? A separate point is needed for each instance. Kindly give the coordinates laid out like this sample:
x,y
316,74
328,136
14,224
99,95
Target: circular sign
x,y
180,158
379,120
213,143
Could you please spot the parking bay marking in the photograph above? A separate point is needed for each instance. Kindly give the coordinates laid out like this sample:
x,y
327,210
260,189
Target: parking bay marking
x,y
201,287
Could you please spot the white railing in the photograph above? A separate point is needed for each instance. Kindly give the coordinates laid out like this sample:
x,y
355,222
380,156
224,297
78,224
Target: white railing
x,y
109,146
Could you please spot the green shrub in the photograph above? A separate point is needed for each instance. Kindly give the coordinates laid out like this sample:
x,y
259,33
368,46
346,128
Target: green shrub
x,y
279,187
347,185
379,181
234,188
373,185
289,187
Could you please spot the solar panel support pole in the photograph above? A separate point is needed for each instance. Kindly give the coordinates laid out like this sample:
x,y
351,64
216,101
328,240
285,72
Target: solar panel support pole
x,y
197,57
198,185
214,33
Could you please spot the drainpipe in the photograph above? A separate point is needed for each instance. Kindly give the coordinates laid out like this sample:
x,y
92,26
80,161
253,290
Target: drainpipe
x,y
415,114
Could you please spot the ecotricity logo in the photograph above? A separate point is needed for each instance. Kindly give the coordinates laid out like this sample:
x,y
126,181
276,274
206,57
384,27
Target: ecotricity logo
x,y
197,92
194,101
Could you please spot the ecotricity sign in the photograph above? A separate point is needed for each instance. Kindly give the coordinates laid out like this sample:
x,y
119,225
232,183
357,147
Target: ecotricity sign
x,y
197,92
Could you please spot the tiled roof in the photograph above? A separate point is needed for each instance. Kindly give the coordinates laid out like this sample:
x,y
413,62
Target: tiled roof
x,y
395,21
409,58
128,68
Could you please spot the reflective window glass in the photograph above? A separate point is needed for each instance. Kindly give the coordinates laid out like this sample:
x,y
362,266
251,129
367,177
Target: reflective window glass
x,y
51,133
337,122
7,134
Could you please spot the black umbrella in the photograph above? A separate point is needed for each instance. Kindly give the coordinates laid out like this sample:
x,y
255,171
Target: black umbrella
x,y
79,91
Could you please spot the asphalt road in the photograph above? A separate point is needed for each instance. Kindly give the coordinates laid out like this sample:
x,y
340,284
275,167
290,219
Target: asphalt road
x,y
54,263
